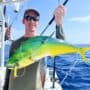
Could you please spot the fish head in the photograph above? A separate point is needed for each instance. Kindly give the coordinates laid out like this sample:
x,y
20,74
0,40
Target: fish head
x,y
12,64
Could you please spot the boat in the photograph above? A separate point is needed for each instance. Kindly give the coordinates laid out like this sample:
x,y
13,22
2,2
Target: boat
x,y
2,77
50,82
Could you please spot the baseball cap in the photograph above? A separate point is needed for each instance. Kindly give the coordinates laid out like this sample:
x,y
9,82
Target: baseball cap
x,y
31,10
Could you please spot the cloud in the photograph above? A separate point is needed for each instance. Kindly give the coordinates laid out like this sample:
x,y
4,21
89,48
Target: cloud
x,y
82,19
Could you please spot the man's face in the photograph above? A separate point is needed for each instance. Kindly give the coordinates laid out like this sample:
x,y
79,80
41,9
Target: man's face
x,y
31,22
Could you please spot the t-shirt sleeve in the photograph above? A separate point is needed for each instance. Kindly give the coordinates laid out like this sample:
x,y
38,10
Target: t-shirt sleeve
x,y
60,33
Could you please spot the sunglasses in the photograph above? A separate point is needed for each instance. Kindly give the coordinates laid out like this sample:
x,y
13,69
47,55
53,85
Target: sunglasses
x,y
29,18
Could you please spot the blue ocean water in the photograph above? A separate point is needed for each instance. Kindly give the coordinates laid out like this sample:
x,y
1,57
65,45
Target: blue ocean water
x,y
73,73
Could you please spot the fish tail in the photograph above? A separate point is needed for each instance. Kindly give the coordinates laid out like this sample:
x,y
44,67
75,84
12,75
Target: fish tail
x,y
82,53
86,49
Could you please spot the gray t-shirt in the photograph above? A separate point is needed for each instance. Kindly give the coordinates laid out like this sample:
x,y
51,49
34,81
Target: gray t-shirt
x,y
28,78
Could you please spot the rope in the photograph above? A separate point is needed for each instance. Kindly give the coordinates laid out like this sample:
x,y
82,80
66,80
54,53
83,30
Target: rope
x,y
71,68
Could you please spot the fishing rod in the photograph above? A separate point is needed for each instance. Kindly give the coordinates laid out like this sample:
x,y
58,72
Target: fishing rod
x,y
50,22
54,63
54,59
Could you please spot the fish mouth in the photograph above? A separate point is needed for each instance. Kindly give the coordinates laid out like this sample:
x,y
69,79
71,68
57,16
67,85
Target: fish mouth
x,y
10,66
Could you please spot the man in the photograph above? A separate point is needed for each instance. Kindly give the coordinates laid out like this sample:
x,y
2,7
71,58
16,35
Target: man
x,y
30,77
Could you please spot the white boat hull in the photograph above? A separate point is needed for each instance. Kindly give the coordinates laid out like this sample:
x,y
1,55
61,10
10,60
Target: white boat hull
x,y
2,77
49,83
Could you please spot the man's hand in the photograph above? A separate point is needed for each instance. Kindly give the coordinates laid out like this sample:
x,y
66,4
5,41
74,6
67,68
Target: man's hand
x,y
59,14
7,33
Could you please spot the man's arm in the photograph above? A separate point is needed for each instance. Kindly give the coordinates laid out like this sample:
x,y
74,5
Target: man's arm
x,y
59,16
60,33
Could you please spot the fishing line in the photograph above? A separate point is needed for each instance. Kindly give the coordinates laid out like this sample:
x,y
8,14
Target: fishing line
x,y
23,73
15,18
71,68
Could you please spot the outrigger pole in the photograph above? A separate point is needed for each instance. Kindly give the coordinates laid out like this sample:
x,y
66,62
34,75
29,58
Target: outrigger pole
x,y
2,27
2,39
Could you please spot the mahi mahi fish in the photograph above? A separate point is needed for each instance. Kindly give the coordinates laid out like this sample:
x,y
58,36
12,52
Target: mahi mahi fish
x,y
38,47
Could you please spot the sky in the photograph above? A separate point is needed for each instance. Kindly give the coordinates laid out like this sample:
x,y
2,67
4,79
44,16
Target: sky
x,y
76,22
